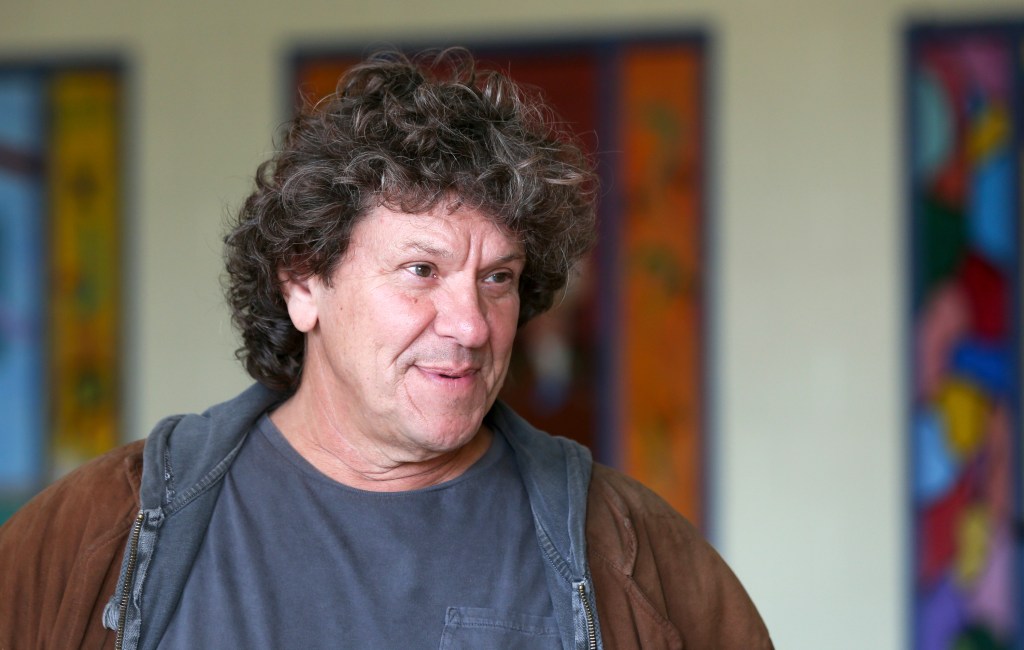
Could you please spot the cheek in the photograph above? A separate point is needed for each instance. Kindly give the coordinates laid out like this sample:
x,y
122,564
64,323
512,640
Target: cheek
x,y
401,320
503,330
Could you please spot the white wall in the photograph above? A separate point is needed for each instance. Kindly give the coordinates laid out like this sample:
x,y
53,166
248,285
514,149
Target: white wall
x,y
809,490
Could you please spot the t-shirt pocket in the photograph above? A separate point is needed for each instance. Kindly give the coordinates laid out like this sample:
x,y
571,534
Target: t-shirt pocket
x,y
473,628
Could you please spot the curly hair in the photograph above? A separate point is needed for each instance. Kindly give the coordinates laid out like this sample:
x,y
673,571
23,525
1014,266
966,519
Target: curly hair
x,y
408,134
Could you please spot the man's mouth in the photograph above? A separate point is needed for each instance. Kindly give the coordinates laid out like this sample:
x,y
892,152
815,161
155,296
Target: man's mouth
x,y
454,374
448,372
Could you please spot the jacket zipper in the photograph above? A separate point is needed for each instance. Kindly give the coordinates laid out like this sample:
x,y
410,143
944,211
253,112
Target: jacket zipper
x,y
129,577
591,629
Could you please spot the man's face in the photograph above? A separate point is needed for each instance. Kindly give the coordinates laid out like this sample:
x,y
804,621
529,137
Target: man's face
x,y
410,344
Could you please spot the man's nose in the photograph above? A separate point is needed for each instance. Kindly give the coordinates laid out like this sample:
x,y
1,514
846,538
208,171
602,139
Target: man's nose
x,y
461,315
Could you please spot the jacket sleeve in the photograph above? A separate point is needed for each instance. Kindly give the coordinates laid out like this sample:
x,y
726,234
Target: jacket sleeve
x,y
657,582
60,555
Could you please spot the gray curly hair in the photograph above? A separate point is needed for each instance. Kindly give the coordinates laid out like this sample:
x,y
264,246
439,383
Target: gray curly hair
x,y
408,135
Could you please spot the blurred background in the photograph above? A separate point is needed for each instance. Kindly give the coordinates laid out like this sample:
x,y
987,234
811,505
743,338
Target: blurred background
x,y
808,183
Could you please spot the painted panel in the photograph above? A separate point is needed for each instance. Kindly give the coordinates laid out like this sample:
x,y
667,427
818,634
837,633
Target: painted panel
x,y
965,185
85,256
60,218
662,260
22,281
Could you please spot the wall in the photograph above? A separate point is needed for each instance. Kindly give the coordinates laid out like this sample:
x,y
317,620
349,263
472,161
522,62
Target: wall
x,y
808,481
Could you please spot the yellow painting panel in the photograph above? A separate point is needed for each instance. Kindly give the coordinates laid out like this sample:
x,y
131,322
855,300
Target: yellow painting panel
x,y
85,293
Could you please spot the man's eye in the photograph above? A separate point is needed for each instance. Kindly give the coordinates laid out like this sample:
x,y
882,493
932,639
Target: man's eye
x,y
421,270
501,277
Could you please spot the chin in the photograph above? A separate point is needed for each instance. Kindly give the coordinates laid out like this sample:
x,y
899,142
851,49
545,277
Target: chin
x,y
450,436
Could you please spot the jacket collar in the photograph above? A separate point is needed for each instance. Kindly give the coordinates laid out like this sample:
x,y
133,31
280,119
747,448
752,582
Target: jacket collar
x,y
556,472
200,449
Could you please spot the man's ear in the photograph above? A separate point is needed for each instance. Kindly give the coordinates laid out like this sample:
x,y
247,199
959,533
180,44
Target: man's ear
x,y
298,296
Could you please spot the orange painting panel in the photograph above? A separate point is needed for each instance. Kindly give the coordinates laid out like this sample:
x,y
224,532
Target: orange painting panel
x,y
661,309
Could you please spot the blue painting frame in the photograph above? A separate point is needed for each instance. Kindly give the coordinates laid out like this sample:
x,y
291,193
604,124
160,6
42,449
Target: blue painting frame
x,y
964,120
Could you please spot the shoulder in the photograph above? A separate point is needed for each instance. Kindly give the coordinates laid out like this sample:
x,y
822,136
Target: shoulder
x,y
654,570
91,499
622,514
60,553
613,489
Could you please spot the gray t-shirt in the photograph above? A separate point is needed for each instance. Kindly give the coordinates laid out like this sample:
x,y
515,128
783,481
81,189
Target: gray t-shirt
x,y
293,559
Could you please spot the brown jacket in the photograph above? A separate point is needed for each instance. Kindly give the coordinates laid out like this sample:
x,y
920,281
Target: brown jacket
x,y
658,584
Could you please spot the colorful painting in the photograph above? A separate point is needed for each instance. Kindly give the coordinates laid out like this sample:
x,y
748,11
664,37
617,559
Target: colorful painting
x,y
661,310
60,211
22,284
85,213
618,364
966,122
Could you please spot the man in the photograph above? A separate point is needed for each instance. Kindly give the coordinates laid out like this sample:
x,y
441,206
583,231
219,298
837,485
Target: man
x,y
369,491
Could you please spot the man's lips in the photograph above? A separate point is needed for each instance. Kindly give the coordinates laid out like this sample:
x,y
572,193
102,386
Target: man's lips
x,y
449,373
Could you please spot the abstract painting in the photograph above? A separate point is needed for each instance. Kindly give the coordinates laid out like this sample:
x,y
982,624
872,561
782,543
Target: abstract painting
x,y
619,363
22,284
60,213
965,124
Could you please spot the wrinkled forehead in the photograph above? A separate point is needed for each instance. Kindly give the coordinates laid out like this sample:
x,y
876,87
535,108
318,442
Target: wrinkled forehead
x,y
445,213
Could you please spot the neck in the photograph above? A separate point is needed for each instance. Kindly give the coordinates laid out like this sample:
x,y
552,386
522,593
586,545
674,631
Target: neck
x,y
336,449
